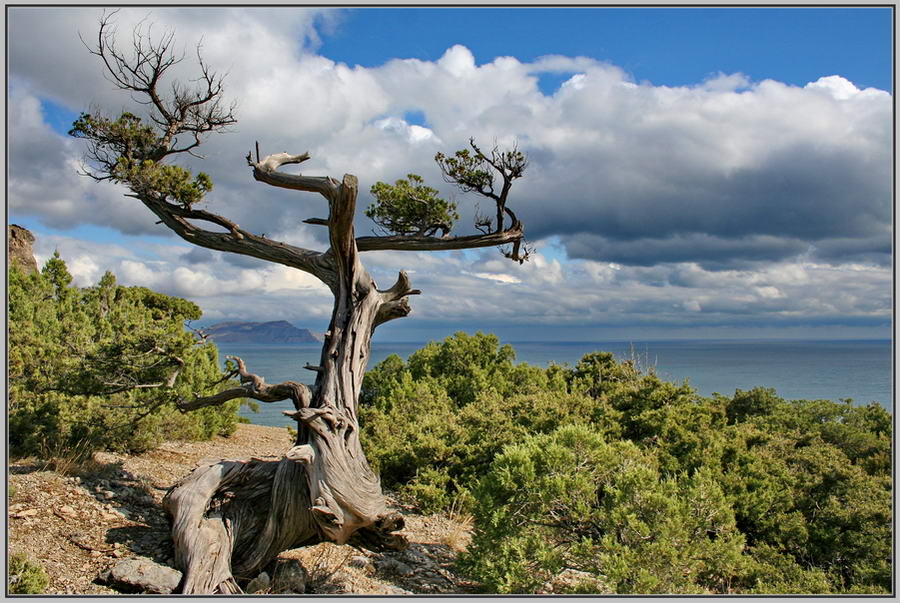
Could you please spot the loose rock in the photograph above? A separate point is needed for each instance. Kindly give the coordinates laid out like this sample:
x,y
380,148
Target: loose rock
x,y
360,561
143,574
106,458
569,579
289,577
396,590
391,565
259,584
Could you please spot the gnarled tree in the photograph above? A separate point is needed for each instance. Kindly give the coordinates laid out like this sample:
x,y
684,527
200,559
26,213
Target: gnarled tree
x,y
230,519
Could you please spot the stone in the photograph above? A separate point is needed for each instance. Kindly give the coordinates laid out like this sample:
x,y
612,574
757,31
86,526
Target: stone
x,y
416,556
140,573
67,510
289,577
259,584
393,566
19,251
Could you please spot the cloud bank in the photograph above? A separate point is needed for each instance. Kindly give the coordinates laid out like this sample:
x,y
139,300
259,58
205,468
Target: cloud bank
x,y
729,200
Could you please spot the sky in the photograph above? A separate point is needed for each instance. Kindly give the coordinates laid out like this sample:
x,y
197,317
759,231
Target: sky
x,y
693,172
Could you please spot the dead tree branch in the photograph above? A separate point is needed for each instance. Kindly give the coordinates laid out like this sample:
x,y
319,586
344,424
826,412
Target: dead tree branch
x,y
255,387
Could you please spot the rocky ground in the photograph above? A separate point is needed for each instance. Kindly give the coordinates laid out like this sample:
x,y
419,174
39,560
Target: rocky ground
x,y
79,521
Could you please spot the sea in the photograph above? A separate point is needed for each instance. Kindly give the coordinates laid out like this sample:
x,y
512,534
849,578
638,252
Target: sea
x,y
834,370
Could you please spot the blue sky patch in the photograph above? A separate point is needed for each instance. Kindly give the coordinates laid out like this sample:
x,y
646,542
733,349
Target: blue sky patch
x,y
58,117
549,83
675,46
415,118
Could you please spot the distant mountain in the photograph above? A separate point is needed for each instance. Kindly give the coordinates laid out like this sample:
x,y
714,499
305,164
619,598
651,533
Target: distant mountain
x,y
277,331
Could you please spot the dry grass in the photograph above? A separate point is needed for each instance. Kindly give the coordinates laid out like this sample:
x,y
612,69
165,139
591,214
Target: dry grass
x,y
460,534
458,538
642,363
68,461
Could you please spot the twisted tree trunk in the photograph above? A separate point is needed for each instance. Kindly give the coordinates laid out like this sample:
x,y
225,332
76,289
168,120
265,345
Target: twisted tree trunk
x,y
230,519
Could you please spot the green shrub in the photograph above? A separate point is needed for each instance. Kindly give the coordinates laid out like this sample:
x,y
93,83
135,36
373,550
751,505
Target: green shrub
x,y
76,355
570,499
772,572
797,494
457,427
802,497
862,433
25,577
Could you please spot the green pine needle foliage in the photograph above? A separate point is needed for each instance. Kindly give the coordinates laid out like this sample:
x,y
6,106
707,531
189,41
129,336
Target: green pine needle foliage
x,y
409,207
129,151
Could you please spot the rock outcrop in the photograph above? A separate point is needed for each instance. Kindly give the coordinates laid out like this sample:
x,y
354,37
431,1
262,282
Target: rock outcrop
x,y
19,249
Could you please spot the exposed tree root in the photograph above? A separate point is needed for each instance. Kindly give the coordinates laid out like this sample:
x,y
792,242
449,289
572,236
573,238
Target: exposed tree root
x,y
229,519
232,518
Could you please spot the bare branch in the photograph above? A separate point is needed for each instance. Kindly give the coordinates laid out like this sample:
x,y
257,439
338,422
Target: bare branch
x,y
253,386
391,310
196,111
273,162
403,243
266,171
400,289
236,240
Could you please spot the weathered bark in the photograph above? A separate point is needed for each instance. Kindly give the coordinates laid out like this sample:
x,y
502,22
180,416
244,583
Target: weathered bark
x,y
232,518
